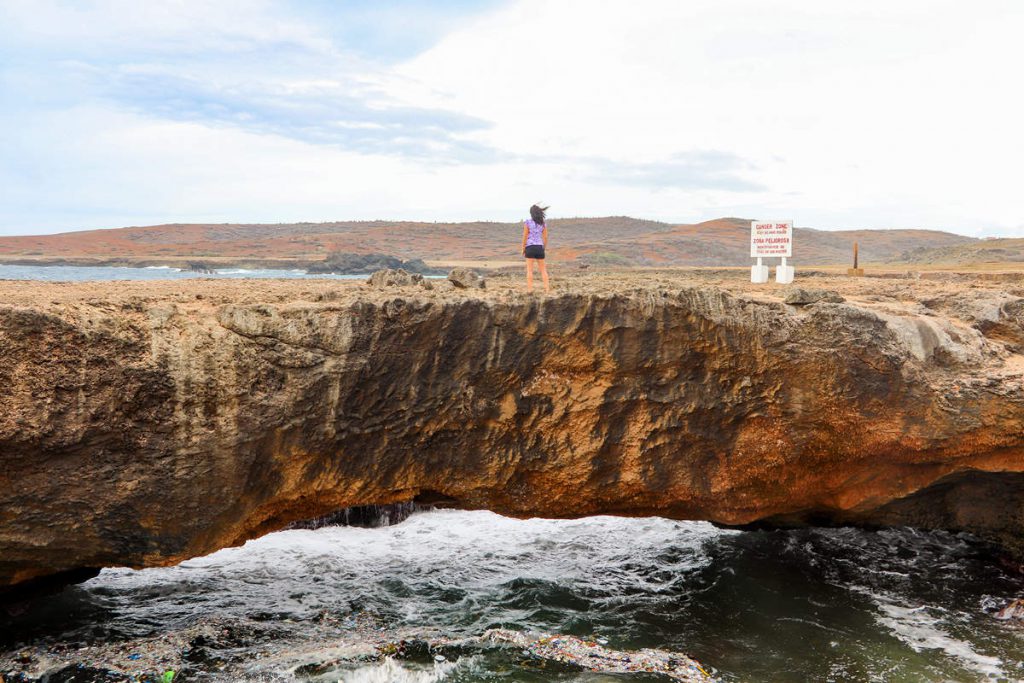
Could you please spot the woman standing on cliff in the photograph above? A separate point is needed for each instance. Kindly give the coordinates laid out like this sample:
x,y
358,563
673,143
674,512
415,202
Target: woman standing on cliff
x,y
535,240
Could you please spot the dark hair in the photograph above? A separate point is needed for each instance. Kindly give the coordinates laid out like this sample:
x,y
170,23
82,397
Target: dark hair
x,y
537,213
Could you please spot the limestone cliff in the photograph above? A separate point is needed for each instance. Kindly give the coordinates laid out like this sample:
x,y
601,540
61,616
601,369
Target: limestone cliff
x,y
145,423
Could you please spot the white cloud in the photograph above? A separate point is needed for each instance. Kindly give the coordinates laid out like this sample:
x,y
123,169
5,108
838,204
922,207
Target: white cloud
x,y
109,168
177,27
868,114
845,110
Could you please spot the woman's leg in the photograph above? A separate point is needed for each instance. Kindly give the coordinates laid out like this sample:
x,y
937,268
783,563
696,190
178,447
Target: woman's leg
x,y
529,275
543,274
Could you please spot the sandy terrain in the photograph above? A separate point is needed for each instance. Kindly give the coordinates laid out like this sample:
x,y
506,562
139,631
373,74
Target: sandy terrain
x,y
885,288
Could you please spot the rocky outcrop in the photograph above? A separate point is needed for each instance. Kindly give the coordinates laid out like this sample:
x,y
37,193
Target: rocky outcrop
x,y
397,277
799,296
145,423
465,278
344,263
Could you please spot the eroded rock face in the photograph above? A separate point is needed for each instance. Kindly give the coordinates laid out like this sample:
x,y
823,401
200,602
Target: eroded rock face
x,y
798,296
465,278
389,277
146,425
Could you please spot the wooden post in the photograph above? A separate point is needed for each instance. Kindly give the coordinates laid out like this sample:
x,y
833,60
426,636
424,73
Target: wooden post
x,y
855,271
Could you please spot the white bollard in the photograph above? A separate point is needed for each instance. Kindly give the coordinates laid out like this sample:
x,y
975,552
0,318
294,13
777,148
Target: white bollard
x,y
759,273
783,273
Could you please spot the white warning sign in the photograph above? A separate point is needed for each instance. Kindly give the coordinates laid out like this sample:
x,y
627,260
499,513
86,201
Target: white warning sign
x,y
771,238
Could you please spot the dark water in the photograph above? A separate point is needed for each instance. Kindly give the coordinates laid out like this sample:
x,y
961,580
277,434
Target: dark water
x,y
818,605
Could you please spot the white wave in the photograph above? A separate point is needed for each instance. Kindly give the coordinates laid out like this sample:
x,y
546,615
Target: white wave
x,y
921,631
390,671
433,538
492,550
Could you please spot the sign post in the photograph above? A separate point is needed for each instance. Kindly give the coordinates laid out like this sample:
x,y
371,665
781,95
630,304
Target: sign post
x,y
855,271
771,239
759,272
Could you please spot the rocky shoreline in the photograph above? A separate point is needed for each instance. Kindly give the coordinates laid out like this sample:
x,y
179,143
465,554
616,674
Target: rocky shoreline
x,y
340,263
150,422
210,650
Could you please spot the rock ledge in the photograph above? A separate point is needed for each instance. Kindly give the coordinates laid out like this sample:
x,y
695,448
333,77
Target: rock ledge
x,y
145,423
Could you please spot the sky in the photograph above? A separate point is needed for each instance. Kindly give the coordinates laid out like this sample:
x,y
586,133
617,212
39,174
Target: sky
x,y
868,114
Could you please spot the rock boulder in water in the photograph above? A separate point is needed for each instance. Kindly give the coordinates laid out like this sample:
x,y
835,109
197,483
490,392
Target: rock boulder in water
x,y
78,673
354,264
593,656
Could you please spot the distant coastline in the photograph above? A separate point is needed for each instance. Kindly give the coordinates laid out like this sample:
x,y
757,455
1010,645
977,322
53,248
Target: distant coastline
x,y
599,242
338,264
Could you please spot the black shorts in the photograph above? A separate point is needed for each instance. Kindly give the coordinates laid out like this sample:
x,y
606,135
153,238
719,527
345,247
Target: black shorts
x,y
534,251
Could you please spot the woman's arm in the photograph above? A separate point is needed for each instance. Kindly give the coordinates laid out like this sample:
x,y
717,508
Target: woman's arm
x,y
545,235
526,233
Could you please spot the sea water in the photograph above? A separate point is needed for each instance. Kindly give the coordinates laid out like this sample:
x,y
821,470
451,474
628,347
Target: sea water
x,y
87,273
806,605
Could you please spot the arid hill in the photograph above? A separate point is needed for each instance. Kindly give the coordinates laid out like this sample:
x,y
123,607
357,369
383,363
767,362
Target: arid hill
x,y
977,252
725,241
615,240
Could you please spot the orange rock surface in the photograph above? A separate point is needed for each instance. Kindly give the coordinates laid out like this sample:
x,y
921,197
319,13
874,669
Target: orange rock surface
x,y
144,423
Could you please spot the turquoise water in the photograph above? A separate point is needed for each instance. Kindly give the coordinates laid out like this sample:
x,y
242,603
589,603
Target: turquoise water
x,y
792,606
85,273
